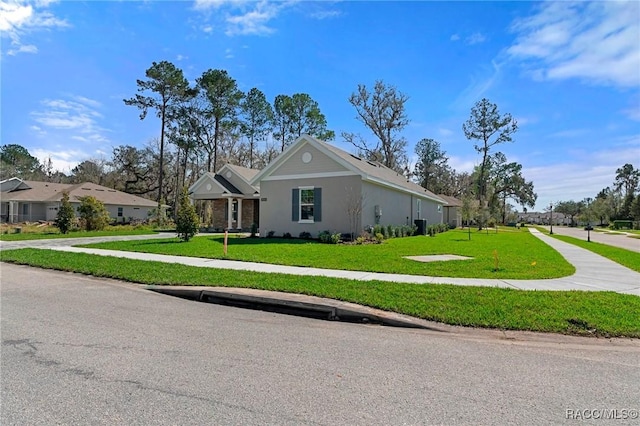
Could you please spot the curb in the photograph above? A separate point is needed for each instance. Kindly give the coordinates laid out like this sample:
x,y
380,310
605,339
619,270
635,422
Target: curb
x,y
294,304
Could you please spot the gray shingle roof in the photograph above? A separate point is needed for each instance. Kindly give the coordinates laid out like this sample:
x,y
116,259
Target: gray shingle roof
x,y
377,171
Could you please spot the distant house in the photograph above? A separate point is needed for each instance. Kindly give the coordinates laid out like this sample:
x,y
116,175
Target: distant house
x,y
452,211
544,218
235,201
313,186
31,201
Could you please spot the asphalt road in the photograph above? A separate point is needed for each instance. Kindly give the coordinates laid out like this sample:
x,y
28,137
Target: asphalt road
x,y
80,350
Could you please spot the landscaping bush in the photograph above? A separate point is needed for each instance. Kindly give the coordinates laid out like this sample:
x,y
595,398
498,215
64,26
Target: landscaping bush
x,y
66,217
305,235
622,224
270,234
335,238
324,236
254,230
93,214
187,220
286,235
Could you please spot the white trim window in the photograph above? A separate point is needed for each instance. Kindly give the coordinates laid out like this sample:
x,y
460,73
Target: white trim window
x,y
306,204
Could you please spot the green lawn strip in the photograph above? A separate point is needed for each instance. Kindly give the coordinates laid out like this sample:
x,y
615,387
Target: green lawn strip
x,y
609,314
520,255
624,257
628,258
78,234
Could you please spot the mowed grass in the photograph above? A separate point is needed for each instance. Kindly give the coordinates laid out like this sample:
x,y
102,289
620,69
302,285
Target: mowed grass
x,y
573,312
506,254
628,258
51,232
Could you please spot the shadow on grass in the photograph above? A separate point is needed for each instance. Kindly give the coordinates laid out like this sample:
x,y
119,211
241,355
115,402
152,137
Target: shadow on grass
x,y
262,241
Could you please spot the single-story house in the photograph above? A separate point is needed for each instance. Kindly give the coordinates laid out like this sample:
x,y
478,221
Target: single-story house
x,y
452,214
235,200
544,218
31,201
314,186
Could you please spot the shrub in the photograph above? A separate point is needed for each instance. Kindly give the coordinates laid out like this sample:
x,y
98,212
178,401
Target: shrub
x,y
305,235
270,234
325,237
254,230
66,217
93,215
379,237
286,235
335,238
187,220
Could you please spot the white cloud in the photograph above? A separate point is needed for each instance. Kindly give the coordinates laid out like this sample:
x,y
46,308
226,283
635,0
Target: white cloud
x,y
228,54
475,38
454,37
326,14
253,22
596,42
18,19
62,161
583,174
243,17
75,118
445,132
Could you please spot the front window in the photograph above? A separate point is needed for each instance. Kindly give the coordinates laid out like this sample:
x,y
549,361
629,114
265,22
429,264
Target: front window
x,y
119,211
306,204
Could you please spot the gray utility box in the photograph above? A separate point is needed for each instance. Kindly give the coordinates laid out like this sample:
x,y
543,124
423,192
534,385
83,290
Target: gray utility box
x,y
422,226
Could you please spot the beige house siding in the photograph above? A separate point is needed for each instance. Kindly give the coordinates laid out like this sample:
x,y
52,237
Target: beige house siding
x,y
319,163
276,209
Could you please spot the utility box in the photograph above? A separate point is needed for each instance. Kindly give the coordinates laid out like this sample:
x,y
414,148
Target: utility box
x,y
422,226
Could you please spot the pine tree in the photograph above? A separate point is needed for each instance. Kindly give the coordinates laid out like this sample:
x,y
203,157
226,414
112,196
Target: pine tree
x,y
66,216
187,220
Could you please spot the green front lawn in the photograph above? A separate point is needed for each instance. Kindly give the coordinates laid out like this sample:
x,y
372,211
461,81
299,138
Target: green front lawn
x,y
38,232
571,312
519,254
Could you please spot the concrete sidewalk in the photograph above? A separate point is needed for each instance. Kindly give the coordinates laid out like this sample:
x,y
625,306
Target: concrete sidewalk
x,y
593,272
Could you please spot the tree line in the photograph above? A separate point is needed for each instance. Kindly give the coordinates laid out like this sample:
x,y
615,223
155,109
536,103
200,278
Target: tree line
x,y
621,201
212,122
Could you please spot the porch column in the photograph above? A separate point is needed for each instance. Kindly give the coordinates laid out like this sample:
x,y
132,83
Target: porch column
x,y
229,213
239,225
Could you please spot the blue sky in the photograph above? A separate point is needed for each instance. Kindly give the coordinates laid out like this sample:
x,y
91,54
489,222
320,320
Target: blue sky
x,y
568,72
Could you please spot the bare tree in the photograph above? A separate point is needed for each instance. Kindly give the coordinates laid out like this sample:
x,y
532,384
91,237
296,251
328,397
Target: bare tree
x,y
383,112
353,204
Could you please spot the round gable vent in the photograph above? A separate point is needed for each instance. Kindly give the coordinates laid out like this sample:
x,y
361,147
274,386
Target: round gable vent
x,y
307,157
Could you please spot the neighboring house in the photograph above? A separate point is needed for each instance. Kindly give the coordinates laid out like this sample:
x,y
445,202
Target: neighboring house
x,y
31,201
313,186
452,214
537,218
235,200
